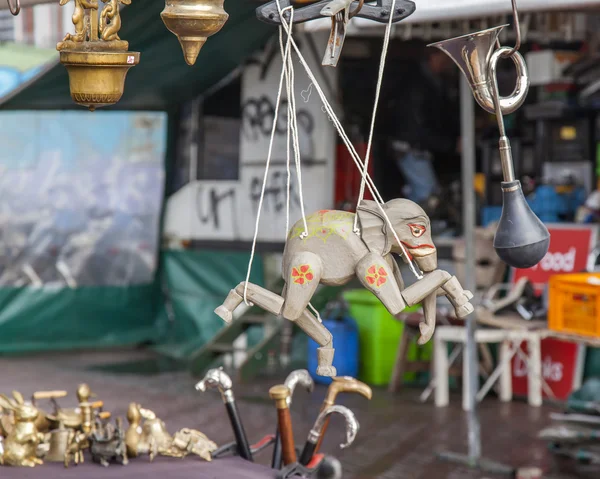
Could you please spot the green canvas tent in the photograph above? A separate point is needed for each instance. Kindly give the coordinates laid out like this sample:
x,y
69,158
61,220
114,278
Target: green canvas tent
x,y
178,317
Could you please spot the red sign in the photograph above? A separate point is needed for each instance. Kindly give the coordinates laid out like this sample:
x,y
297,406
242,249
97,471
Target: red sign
x,y
562,368
570,246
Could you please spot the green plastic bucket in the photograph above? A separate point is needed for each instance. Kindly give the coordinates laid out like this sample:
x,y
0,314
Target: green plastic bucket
x,y
379,338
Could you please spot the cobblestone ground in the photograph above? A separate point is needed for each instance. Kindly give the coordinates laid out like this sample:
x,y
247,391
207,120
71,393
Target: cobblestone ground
x,y
398,438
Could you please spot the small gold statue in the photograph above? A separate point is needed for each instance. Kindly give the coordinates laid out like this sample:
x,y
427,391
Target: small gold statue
x,y
151,437
190,441
77,442
141,439
80,20
96,58
22,439
44,422
110,21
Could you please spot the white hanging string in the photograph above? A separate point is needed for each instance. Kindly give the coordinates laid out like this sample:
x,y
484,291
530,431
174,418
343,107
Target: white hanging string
x,y
357,161
286,53
384,50
292,127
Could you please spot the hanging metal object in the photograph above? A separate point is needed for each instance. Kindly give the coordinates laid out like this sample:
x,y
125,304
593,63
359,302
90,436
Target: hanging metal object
x,y
521,239
193,21
14,9
340,12
96,59
472,54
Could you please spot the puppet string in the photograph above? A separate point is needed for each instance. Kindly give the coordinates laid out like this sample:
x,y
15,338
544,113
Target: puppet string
x,y
357,161
292,127
384,50
286,53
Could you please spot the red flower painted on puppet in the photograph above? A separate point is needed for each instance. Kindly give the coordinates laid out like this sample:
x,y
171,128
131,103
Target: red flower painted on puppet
x,y
302,274
376,275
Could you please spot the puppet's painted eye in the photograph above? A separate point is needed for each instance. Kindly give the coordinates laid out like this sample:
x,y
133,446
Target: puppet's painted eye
x,y
417,230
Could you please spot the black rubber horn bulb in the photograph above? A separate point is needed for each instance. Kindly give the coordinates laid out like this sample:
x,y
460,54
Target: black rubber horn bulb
x,y
521,240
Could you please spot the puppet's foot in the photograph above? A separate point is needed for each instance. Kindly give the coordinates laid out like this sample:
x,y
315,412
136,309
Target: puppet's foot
x,y
225,311
459,297
325,358
224,314
426,333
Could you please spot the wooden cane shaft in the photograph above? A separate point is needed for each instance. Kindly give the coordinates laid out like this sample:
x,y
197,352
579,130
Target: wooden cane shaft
x,y
288,448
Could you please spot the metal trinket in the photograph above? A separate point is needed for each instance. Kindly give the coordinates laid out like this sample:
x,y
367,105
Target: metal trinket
x,y
190,441
96,58
107,444
20,447
193,21
340,12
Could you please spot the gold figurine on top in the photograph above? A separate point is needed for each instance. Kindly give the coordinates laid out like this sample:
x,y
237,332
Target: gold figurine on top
x,y
96,58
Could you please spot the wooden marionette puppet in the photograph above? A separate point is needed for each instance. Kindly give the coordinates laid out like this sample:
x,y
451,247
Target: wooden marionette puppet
x,y
330,252
326,248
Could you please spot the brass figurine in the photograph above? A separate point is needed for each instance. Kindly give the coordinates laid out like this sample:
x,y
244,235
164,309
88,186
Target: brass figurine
x,y
77,442
57,444
44,422
193,21
190,441
107,444
147,434
96,58
110,21
22,439
143,439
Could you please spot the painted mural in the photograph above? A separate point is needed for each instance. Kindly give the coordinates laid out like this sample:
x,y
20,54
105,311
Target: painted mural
x,y
81,197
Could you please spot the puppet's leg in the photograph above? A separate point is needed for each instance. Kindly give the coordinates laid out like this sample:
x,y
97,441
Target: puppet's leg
x,y
302,273
459,297
377,275
261,297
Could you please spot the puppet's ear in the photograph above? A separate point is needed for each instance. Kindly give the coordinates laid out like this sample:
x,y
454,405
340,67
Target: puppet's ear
x,y
373,227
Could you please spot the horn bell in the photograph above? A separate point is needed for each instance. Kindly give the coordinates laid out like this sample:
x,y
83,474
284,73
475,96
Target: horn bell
x,y
472,53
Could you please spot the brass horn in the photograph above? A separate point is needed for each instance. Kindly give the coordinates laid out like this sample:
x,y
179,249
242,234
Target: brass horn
x,y
472,54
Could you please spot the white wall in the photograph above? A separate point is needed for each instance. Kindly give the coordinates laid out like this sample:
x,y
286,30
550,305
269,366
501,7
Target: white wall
x,y
236,202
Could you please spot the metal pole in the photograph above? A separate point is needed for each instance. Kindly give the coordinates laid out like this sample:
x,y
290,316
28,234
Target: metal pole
x,y
467,122
473,459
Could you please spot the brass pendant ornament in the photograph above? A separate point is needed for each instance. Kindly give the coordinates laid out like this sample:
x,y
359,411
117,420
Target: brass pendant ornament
x,y
193,21
96,58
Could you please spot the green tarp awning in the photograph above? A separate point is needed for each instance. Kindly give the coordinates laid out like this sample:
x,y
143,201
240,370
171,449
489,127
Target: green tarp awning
x,y
162,80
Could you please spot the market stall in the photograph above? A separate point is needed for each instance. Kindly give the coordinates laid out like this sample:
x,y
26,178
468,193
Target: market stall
x,y
320,249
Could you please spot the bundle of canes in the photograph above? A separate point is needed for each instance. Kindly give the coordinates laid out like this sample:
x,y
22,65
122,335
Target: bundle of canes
x,y
302,377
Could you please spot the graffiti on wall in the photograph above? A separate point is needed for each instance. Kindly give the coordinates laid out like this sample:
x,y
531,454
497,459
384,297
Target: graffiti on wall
x,y
226,209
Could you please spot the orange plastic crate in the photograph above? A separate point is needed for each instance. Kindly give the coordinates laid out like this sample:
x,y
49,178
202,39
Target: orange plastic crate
x,y
574,304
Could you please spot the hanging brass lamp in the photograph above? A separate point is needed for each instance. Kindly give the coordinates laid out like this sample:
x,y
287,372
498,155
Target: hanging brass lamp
x,y
95,57
193,21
